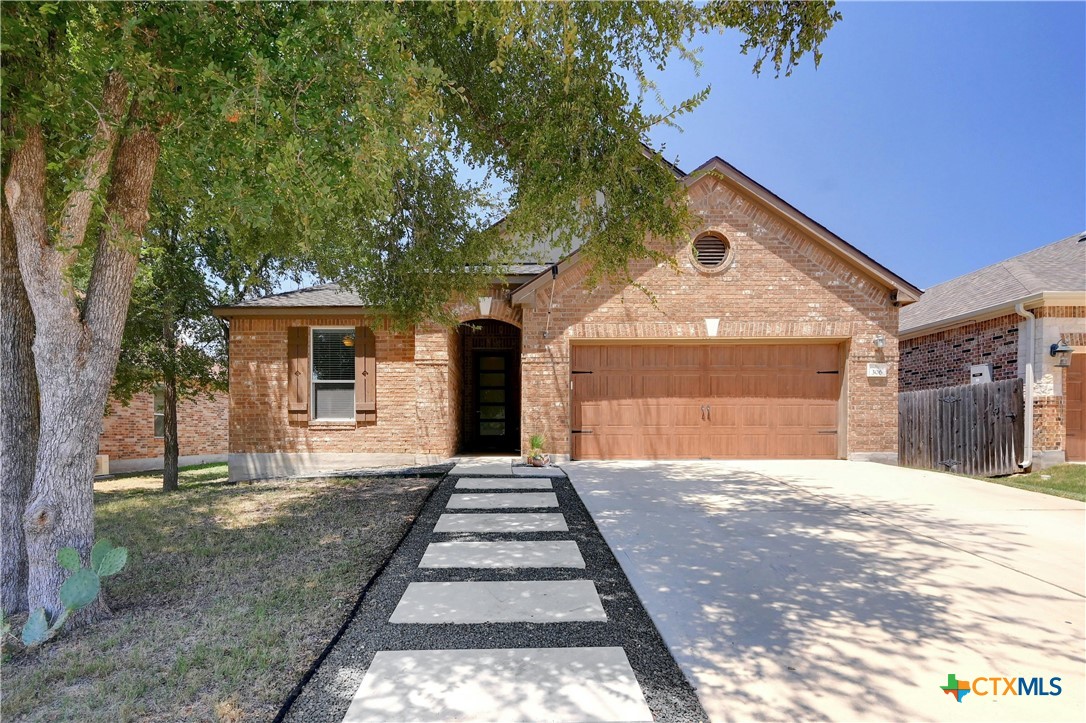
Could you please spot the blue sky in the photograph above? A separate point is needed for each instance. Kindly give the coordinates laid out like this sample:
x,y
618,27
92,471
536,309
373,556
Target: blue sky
x,y
936,137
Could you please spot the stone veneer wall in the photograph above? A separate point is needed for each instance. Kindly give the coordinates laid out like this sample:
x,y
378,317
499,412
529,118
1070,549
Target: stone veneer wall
x,y
128,432
780,285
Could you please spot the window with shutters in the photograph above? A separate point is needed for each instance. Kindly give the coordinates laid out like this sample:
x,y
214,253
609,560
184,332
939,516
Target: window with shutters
x,y
711,252
333,356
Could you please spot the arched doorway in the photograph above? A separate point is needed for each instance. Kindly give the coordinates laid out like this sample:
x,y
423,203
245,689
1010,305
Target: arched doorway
x,y
490,387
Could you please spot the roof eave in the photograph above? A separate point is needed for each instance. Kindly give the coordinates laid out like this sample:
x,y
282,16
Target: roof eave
x,y
227,312
1030,301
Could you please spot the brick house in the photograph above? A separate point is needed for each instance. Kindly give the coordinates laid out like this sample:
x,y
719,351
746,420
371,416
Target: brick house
x,y
1006,317
773,337
132,435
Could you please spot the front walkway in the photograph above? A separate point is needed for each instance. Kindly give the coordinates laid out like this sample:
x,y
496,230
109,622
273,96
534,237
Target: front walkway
x,y
502,604
850,591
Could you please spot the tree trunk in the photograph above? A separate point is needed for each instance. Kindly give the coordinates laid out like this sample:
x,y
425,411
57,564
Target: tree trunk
x,y
169,411
75,353
19,420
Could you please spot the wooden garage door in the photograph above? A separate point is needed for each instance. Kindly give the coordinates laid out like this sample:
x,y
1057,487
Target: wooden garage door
x,y
1076,409
724,401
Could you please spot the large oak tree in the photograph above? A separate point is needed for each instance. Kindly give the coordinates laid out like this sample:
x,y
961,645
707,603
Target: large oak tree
x,y
335,133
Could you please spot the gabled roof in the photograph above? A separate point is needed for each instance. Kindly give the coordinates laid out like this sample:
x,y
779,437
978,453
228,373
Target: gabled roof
x,y
906,292
1044,274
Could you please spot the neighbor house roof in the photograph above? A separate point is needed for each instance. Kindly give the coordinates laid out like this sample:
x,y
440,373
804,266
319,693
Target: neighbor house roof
x,y
1055,273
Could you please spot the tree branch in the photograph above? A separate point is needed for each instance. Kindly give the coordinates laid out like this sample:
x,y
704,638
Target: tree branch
x,y
41,266
78,206
117,256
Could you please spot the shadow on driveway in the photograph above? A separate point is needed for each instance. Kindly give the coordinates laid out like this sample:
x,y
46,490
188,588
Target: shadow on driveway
x,y
780,603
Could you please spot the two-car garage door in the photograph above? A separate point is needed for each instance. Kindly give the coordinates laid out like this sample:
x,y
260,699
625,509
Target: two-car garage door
x,y
719,401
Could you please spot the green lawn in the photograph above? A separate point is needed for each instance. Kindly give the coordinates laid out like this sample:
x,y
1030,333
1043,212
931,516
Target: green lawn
x,y
1064,480
229,594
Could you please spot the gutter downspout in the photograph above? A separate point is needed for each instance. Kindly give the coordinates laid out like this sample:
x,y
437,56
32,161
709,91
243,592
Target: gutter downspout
x,y
1027,434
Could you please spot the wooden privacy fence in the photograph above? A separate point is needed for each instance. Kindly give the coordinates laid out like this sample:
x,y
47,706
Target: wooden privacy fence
x,y
973,429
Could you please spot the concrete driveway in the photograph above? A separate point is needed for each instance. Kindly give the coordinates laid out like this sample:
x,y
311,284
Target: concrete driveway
x,y
850,590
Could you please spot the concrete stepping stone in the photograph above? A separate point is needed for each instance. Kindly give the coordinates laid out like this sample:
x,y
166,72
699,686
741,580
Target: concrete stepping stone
x,y
534,601
519,684
502,522
506,483
502,500
549,553
538,471
484,465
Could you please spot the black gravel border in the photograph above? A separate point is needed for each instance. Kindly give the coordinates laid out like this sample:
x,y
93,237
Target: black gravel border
x,y
326,693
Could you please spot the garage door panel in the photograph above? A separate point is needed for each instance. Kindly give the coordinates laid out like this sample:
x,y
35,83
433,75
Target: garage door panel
x,y
653,386
754,385
616,357
753,416
723,416
723,384
689,386
822,417
697,401
723,357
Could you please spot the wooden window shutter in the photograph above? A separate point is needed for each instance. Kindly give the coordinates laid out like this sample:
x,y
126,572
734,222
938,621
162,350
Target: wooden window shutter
x,y
365,375
298,373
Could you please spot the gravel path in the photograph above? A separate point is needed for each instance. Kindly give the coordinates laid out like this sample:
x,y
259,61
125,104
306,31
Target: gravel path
x,y
328,694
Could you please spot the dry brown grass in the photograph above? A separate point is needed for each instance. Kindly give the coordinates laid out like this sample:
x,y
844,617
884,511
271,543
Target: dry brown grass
x,y
229,594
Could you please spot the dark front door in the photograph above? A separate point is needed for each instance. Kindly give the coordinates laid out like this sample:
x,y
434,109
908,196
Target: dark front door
x,y
497,421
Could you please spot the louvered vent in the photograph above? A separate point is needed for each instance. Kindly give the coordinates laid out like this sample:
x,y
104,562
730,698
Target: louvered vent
x,y
710,251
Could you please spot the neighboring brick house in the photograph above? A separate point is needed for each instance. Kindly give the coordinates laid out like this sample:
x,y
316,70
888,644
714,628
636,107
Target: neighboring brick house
x,y
772,338
982,318
132,435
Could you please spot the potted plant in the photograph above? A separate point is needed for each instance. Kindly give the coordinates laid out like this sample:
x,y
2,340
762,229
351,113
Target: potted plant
x,y
536,458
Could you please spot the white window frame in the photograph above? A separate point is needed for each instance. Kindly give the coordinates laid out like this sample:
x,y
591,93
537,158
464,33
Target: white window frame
x,y
155,414
313,382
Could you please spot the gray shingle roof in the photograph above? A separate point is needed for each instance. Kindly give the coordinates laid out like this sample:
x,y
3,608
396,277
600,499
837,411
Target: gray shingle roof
x,y
319,295
1059,266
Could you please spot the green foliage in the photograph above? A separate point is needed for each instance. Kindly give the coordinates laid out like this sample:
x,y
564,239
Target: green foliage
x,y
375,143
78,591
536,442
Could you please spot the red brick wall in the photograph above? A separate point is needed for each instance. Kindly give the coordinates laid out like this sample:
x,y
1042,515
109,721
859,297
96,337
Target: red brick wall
x,y
129,432
943,359
781,284
258,391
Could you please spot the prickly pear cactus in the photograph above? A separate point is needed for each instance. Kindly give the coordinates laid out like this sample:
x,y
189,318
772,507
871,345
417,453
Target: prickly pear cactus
x,y
80,589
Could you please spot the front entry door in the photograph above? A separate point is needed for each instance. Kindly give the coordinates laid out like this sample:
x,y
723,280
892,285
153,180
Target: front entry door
x,y
497,420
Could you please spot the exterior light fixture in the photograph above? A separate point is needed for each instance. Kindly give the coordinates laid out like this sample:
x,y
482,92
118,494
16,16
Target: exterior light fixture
x,y
348,340
712,326
485,302
880,341
1062,351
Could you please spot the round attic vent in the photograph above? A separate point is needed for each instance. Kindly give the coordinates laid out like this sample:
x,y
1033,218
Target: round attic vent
x,y
710,252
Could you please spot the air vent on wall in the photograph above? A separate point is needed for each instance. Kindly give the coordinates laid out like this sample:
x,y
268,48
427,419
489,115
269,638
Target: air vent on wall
x,y
710,251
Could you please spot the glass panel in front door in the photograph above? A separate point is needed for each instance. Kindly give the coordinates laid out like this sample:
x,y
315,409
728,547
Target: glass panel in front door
x,y
492,381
